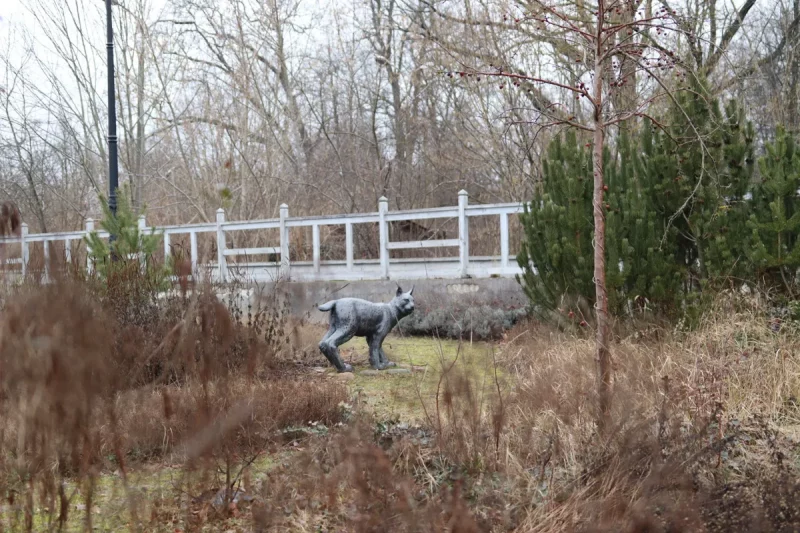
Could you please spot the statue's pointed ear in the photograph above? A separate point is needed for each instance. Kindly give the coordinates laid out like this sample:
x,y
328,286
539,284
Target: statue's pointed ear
x,y
411,292
399,290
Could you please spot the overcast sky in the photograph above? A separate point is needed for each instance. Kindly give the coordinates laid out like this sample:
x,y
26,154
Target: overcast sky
x,y
16,9
17,22
10,8
15,17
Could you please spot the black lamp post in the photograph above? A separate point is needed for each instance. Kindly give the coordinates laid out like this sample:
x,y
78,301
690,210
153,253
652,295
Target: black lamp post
x,y
113,163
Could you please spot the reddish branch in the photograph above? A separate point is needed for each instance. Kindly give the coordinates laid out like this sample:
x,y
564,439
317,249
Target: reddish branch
x,y
532,79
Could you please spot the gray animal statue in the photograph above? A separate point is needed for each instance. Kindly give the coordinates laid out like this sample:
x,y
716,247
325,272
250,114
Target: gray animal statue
x,y
354,317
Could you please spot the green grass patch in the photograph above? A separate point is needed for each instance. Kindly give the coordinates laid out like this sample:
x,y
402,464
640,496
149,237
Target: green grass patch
x,y
408,397
163,497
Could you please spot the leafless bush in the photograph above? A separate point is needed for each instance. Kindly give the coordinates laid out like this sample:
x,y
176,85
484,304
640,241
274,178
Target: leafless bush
x,y
55,377
91,379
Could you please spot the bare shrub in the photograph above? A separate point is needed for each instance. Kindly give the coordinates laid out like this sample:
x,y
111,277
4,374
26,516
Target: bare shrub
x,y
55,377
470,323
155,421
121,373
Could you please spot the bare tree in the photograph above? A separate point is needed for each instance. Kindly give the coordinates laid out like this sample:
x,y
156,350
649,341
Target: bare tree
x,y
610,39
247,104
22,144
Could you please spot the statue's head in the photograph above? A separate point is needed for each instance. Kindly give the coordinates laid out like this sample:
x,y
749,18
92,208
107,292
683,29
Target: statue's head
x,y
404,301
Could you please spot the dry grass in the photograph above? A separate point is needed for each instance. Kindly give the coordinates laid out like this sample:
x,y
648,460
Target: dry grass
x,y
706,421
705,441
705,437
156,421
349,482
86,387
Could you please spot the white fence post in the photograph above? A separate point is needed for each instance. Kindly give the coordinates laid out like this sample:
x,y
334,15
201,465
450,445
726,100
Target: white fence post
x,y
89,229
348,244
285,268
23,242
463,232
193,253
504,241
383,208
167,250
46,249
221,265
68,251
315,247
142,225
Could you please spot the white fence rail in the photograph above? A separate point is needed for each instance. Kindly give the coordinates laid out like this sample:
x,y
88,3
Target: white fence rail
x,y
385,267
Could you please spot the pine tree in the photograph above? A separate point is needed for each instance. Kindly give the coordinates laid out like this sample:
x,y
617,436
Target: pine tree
x,y
724,234
557,252
676,212
130,244
700,168
774,223
650,273
677,167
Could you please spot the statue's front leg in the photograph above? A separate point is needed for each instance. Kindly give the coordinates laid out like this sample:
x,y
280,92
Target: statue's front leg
x,y
383,361
374,353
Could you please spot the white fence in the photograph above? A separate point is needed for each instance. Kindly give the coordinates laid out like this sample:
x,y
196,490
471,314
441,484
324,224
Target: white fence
x,y
462,266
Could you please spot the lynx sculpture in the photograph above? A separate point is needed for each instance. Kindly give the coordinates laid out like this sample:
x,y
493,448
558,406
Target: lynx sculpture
x,y
354,317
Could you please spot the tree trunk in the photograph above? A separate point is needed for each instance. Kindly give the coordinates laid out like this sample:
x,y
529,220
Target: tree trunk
x,y
602,352
137,178
794,77
624,98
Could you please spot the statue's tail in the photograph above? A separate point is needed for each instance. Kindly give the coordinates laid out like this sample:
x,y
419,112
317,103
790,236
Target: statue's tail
x,y
327,306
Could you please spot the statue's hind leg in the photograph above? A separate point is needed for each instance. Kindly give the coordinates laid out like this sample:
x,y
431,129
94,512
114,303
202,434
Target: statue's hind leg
x,y
329,346
385,363
328,334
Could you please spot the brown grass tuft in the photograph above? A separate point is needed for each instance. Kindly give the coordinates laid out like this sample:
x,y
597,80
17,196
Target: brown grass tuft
x,y
347,482
158,420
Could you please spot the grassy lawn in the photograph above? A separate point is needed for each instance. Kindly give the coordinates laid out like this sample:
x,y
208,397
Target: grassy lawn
x,y
163,497
435,363
171,498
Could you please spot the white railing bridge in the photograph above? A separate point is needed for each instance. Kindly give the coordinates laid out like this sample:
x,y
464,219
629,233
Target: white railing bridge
x,y
463,265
